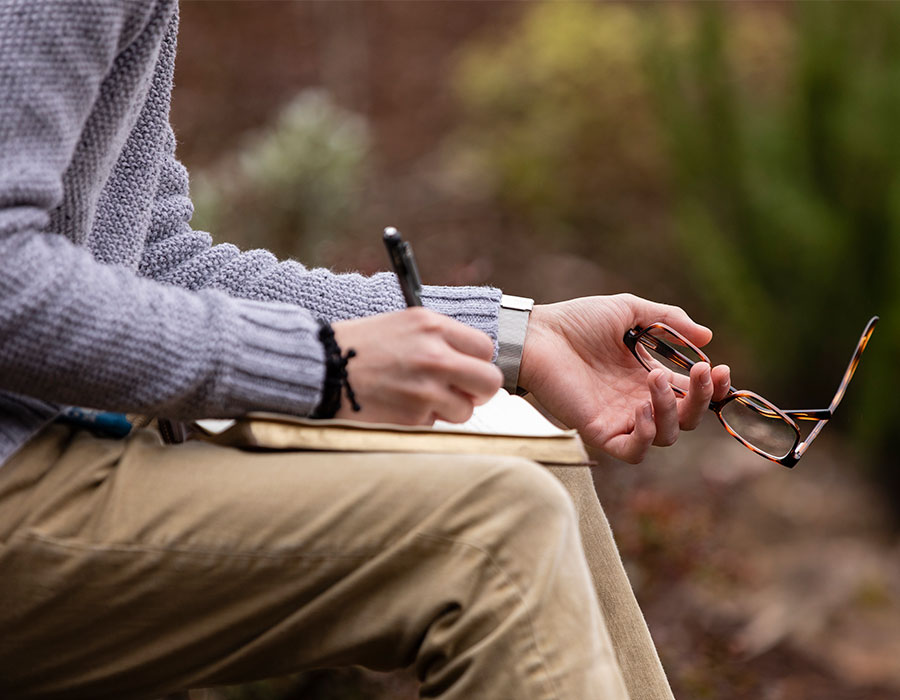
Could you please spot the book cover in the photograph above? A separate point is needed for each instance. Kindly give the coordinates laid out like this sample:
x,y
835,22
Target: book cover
x,y
505,425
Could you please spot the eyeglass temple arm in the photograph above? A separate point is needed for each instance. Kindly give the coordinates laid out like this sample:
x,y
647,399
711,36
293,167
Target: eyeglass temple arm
x,y
809,413
824,414
854,361
804,444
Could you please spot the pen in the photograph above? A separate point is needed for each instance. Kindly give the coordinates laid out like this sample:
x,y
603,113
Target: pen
x,y
404,265
105,423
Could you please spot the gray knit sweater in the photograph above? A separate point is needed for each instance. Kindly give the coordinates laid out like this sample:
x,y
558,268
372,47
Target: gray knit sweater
x,y
108,298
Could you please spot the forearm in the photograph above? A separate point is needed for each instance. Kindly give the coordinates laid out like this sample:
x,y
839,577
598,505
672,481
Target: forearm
x,y
76,331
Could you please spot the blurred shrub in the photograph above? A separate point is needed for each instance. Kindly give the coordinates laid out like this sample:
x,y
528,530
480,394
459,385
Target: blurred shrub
x,y
556,129
788,202
292,184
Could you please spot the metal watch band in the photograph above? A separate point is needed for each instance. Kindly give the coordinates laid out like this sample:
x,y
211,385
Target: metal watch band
x,y
512,325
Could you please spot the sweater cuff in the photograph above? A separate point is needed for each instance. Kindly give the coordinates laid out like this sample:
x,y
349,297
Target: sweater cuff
x,y
272,361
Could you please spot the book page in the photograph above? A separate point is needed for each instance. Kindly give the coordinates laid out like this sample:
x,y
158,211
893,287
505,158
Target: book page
x,y
215,426
505,414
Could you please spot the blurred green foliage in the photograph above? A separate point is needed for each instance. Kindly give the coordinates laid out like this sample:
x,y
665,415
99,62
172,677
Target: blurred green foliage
x,y
788,200
556,126
766,140
291,185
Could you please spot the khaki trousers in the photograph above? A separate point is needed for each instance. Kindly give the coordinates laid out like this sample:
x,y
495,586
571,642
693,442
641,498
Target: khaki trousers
x,y
129,569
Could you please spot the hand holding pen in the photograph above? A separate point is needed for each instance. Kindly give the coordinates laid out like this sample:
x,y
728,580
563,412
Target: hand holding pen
x,y
416,365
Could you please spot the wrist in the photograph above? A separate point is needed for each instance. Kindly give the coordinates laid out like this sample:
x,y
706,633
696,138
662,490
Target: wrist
x,y
537,328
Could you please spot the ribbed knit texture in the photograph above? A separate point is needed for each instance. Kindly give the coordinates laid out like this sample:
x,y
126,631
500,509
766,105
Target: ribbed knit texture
x,y
108,298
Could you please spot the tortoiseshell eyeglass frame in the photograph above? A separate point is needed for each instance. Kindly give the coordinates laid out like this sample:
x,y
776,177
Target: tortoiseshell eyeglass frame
x,y
762,405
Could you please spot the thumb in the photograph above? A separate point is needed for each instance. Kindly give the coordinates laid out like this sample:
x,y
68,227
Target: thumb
x,y
647,312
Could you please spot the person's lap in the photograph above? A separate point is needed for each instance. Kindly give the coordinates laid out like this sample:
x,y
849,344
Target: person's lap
x,y
129,564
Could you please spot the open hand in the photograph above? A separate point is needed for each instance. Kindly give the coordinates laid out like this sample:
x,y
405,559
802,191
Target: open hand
x,y
578,367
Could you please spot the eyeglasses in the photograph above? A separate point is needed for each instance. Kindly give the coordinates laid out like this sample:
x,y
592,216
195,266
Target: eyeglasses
x,y
754,421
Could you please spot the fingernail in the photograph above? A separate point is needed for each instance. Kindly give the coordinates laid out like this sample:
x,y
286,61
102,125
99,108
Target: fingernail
x,y
661,382
648,411
705,377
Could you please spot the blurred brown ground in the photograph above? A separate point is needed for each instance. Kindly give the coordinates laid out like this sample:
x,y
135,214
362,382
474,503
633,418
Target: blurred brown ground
x,y
757,582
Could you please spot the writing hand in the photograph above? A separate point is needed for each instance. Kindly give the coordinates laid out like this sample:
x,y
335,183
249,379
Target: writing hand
x,y
416,366
577,366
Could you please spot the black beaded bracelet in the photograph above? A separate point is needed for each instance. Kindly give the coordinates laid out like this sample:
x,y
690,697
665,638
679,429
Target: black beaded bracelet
x,y
336,380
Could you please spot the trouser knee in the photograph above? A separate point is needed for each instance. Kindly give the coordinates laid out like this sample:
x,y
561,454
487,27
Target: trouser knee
x,y
526,508
531,487
518,589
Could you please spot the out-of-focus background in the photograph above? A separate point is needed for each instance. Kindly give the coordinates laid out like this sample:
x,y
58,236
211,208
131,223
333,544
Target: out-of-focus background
x,y
740,160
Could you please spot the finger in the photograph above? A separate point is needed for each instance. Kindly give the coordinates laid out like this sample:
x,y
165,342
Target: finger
x,y
665,409
677,318
681,383
468,341
453,406
693,407
477,378
721,377
632,447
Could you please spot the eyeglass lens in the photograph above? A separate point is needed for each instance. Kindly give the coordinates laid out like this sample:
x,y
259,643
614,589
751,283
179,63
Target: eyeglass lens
x,y
759,425
660,349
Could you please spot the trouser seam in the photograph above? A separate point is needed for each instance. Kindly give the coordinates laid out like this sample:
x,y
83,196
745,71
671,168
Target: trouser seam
x,y
163,549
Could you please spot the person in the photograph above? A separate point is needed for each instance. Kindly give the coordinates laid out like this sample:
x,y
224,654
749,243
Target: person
x,y
131,568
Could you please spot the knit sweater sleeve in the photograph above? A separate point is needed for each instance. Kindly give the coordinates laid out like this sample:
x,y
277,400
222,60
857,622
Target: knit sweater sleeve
x,y
73,330
179,255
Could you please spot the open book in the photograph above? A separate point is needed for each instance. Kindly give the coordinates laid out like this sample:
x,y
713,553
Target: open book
x,y
505,425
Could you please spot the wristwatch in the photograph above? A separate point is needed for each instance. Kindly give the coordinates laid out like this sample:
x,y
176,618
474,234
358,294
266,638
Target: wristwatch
x,y
512,325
